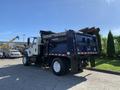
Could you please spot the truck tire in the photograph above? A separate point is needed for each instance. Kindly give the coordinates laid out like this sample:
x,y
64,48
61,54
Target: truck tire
x,y
59,67
25,60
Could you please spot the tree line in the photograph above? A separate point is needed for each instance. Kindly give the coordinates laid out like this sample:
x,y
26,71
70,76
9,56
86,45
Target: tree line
x,y
109,46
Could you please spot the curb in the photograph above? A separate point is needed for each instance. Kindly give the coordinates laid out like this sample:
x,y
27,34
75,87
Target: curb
x,y
104,71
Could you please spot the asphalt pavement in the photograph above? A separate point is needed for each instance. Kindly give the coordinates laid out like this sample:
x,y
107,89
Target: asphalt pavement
x,y
15,76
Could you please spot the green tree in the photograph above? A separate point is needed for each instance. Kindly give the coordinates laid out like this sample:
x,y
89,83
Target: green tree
x,y
98,36
104,45
110,45
117,44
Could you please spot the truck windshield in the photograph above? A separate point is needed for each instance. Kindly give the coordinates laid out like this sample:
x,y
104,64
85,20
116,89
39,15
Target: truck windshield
x,y
33,40
86,43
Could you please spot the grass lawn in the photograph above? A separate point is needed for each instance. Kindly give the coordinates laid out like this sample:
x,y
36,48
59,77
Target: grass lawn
x,y
108,64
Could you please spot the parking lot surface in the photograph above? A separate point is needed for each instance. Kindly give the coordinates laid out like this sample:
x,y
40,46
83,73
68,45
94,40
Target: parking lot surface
x,y
15,76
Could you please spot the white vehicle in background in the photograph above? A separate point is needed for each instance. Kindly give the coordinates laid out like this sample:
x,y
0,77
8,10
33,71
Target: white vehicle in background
x,y
14,53
1,55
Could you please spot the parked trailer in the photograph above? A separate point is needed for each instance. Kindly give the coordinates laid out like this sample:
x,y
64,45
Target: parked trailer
x,y
63,52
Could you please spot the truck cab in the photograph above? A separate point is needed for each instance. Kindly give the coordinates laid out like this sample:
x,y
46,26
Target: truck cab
x,y
32,46
63,52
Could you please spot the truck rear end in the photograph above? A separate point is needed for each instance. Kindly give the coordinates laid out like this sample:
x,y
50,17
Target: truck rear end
x,y
85,49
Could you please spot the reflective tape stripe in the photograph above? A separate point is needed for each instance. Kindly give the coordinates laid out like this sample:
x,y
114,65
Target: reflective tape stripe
x,y
81,53
87,53
59,54
78,52
63,54
56,54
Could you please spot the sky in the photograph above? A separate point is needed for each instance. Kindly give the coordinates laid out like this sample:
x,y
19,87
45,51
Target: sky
x,y
26,18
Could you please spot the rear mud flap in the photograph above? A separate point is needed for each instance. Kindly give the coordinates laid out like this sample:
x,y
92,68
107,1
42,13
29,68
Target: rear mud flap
x,y
74,65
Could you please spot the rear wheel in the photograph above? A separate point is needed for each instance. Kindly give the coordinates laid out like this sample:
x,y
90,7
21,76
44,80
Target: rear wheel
x,y
59,67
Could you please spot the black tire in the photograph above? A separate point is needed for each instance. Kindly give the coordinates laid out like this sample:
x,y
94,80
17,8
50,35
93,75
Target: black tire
x,y
63,67
26,60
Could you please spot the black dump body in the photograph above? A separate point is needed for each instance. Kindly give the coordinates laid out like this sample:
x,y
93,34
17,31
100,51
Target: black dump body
x,y
74,45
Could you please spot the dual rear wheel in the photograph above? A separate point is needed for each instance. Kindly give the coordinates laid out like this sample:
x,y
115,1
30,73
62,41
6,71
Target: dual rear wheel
x,y
59,66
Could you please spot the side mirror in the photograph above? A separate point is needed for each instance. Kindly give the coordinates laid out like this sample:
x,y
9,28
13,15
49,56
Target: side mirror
x,y
28,41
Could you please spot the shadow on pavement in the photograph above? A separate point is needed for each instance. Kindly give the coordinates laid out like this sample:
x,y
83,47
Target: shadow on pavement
x,y
19,77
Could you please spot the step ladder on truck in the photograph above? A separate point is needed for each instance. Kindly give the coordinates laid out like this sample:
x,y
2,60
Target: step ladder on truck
x,y
62,52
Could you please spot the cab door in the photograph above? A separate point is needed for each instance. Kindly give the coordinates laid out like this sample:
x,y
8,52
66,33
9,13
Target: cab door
x,y
32,46
35,46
